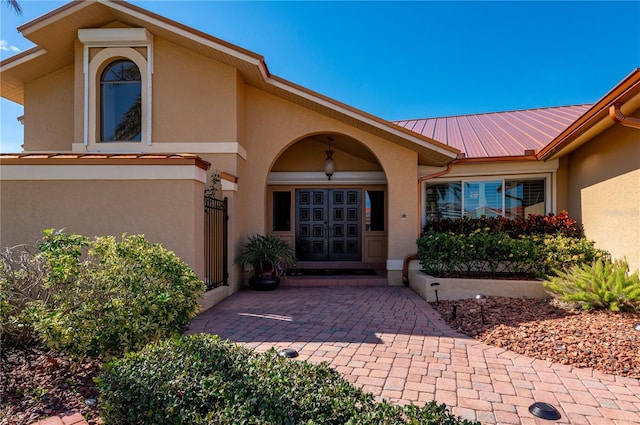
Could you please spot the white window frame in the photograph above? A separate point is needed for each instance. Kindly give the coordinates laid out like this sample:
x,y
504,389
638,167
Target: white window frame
x,y
115,43
548,195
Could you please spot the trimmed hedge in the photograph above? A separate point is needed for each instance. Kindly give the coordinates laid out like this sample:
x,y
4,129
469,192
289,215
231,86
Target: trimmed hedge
x,y
200,379
485,252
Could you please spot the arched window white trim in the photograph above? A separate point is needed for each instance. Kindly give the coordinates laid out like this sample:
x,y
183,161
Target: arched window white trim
x,y
115,43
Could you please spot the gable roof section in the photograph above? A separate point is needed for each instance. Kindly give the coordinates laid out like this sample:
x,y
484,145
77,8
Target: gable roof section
x,y
499,134
56,32
596,119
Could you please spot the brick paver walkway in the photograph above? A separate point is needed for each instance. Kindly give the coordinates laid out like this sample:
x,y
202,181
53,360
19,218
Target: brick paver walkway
x,y
391,343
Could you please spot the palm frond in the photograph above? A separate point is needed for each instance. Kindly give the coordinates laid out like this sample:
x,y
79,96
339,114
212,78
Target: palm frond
x,y
14,5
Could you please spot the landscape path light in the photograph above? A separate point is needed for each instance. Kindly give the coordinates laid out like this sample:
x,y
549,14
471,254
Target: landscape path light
x,y
637,326
481,299
435,286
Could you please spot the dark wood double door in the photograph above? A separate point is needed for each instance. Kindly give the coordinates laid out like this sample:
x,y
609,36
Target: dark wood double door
x,y
328,224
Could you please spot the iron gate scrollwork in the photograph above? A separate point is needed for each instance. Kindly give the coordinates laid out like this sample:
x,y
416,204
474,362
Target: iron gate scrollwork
x,y
216,273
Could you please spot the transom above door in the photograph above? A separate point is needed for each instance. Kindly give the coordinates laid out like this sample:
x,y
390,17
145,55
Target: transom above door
x,y
328,224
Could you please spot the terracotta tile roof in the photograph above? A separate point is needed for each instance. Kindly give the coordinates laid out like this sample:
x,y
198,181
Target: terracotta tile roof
x,y
498,134
68,158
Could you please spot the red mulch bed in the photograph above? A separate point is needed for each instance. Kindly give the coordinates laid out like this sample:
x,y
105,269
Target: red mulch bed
x,y
549,330
35,384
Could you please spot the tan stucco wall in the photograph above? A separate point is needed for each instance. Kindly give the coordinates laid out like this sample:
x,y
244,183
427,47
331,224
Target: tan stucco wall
x,y
309,155
48,112
194,98
166,211
273,124
604,191
562,187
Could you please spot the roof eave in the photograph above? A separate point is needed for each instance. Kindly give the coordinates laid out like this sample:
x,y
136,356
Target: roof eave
x,y
480,160
594,121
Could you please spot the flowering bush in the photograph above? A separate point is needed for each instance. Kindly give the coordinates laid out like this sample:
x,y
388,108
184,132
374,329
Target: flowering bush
x,y
534,224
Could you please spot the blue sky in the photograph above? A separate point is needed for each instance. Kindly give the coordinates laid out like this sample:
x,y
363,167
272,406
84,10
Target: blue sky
x,y
402,60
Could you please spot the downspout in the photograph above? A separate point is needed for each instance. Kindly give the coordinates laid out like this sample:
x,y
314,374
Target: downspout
x,y
411,257
618,117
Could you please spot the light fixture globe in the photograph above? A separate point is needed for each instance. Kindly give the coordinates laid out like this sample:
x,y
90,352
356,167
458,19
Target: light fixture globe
x,y
329,166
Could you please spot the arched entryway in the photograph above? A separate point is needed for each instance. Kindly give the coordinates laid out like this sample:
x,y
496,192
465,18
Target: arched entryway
x,y
329,220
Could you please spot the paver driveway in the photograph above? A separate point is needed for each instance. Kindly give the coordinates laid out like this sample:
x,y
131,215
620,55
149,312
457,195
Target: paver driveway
x,y
391,343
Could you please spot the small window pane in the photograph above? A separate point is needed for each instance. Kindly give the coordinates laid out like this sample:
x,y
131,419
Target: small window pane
x,y
524,197
483,199
282,211
375,210
443,200
121,102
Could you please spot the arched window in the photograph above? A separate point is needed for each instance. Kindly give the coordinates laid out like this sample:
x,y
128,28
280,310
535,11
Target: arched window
x,y
121,102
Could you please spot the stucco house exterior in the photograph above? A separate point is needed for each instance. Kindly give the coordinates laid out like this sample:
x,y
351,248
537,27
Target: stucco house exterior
x,y
127,114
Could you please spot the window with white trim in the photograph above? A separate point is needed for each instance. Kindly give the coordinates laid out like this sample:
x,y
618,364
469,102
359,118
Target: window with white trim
x,y
506,197
118,65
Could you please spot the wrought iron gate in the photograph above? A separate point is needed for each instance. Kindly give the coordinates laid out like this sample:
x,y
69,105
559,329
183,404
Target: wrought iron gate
x,y
215,242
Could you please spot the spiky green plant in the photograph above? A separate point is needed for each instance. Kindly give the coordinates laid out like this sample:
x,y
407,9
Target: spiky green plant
x,y
266,251
601,285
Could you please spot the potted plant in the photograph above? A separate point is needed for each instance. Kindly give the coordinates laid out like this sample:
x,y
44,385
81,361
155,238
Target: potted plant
x,y
269,256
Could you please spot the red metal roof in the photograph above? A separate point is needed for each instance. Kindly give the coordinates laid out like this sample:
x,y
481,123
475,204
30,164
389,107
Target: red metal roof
x,y
70,158
498,134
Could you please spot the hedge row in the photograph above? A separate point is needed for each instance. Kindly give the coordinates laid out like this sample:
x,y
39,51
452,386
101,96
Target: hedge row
x,y
484,252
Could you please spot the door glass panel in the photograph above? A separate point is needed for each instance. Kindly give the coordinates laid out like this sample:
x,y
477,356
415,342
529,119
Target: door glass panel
x,y
374,205
282,211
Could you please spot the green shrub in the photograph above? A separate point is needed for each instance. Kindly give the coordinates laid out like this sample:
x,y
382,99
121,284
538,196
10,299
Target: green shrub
x,y
483,251
600,285
200,379
22,271
107,297
559,252
444,254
